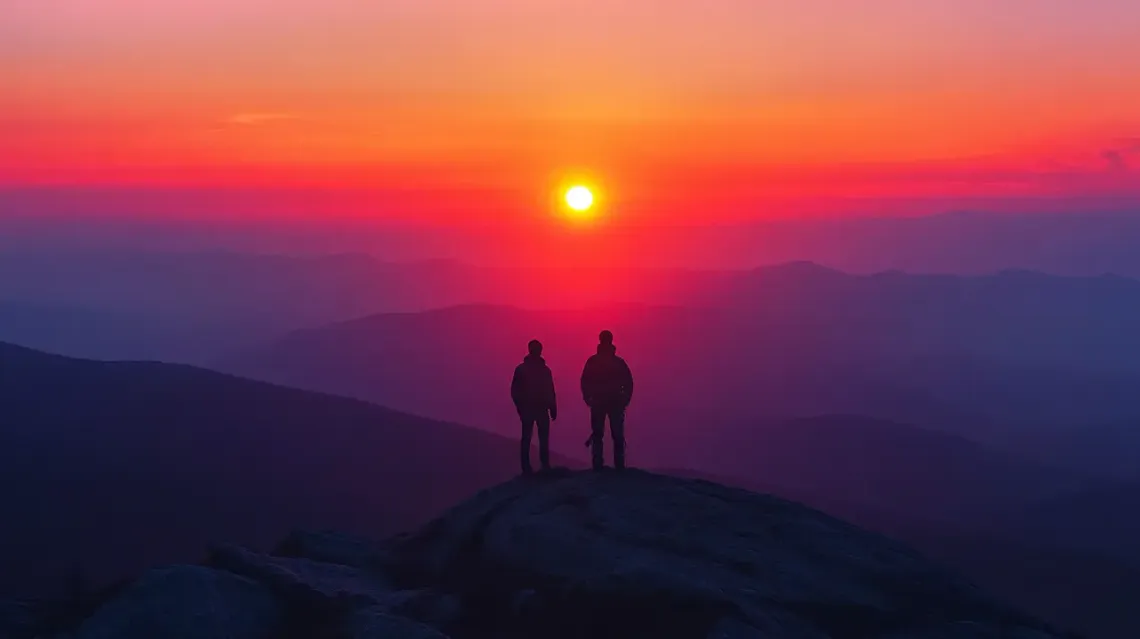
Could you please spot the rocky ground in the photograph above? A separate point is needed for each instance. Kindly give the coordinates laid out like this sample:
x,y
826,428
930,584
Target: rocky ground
x,y
557,556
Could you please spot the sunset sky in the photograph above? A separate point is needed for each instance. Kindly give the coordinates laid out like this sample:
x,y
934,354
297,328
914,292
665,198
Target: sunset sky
x,y
752,104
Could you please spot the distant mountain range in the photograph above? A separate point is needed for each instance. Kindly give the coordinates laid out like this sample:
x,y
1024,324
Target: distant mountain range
x,y
114,334
994,358
1068,332
1111,449
1103,519
915,473
1101,237
111,467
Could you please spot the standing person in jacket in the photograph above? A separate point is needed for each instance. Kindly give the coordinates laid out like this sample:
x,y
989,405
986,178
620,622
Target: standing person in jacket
x,y
532,390
607,388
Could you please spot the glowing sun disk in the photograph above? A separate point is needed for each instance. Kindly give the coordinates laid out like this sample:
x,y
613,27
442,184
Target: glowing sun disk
x,y
579,198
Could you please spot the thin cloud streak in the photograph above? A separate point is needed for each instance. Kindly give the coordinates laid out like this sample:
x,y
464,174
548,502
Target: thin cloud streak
x,y
254,119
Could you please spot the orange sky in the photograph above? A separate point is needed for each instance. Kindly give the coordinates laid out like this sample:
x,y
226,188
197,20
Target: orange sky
x,y
718,100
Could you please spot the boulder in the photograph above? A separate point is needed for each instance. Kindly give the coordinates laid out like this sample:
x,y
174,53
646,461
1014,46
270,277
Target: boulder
x,y
437,609
187,602
322,589
636,554
376,623
333,548
304,582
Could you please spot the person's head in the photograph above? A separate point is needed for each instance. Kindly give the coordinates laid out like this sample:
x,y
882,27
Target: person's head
x,y
534,348
606,338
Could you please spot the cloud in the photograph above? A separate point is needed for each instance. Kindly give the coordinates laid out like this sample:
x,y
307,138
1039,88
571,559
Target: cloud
x,y
1120,158
1116,160
255,119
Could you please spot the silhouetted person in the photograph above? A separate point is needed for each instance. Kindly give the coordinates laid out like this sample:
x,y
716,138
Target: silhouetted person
x,y
607,387
532,390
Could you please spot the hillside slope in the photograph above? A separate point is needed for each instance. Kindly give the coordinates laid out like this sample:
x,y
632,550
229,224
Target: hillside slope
x,y
108,467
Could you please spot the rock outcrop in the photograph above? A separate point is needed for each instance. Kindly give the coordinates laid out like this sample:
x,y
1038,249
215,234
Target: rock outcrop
x,y
187,602
567,555
636,554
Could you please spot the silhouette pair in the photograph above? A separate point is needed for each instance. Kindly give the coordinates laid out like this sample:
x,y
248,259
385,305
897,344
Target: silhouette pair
x,y
607,388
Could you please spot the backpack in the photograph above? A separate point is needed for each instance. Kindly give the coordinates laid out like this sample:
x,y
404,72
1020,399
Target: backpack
x,y
608,377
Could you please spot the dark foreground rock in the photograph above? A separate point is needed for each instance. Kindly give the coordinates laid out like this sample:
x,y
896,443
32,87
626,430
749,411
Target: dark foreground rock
x,y
305,582
332,547
187,602
574,555
636,554
16,618
376,623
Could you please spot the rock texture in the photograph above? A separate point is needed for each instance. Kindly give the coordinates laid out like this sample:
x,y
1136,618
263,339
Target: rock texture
x,y
573,555
636,554
187,602
332,547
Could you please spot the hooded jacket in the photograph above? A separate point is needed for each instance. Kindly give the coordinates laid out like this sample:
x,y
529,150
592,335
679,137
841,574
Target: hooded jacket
x,y
532,388
606,379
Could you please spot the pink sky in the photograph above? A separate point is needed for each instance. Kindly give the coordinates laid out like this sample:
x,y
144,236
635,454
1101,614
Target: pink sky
x,y
729,101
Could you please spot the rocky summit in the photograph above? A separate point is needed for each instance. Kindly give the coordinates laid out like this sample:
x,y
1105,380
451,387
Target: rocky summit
x,y
565,555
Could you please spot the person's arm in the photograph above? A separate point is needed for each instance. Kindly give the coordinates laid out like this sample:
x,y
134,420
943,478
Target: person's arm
x,y
516,388
628,382
553,396
587,382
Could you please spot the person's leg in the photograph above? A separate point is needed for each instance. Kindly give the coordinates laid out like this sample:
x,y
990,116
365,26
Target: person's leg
x,y
598,427
524,448
617,431
544,440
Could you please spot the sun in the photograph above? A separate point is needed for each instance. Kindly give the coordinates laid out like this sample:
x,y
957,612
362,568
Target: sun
x,y
579,198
